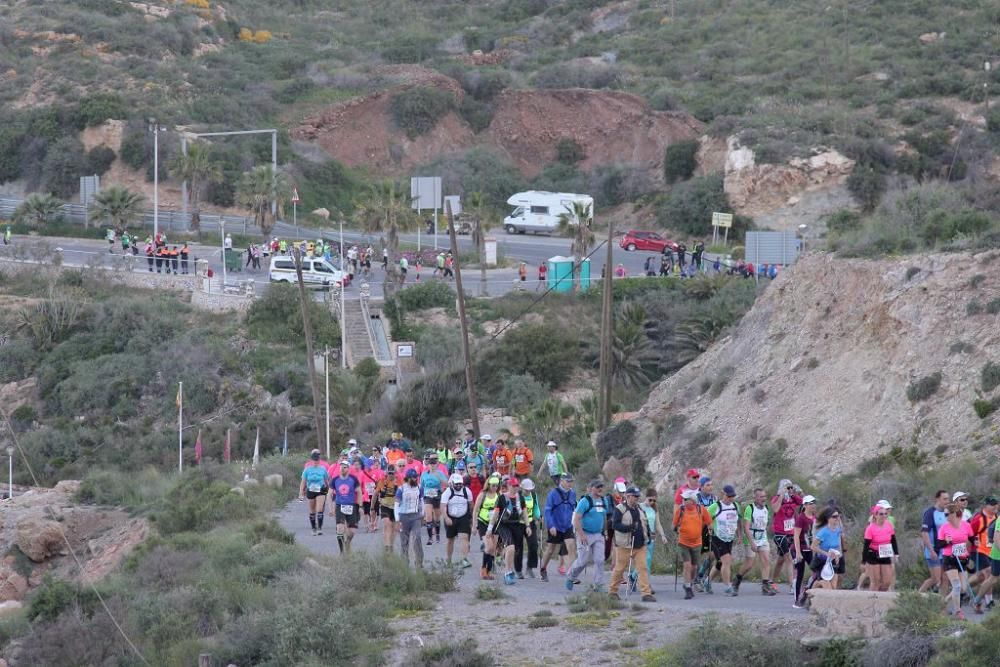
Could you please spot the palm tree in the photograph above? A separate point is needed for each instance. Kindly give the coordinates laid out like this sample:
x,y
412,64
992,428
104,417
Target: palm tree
x,y
631,350
578,220
386,209
482,221
118,206
197,168
38,210
258,189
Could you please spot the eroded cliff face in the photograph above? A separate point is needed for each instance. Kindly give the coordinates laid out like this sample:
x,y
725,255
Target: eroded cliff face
x,y
825,359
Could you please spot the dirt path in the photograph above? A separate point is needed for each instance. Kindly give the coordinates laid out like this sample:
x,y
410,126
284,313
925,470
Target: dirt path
x,y
579,638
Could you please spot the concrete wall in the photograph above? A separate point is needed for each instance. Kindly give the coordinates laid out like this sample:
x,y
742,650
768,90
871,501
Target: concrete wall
x,y
849,613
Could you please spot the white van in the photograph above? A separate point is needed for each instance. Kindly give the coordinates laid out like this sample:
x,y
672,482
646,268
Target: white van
x,y
538,211
316,271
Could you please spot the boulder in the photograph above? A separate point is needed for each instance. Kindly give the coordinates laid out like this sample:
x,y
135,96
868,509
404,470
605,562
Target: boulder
x,y
13,585
850,613
68,486
273,480
39,539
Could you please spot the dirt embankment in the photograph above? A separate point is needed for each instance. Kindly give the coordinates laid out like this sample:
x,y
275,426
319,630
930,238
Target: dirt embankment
x,y
612,127
825,360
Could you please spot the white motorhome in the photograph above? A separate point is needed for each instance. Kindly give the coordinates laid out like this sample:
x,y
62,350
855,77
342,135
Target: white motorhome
x,y
538,211
316,272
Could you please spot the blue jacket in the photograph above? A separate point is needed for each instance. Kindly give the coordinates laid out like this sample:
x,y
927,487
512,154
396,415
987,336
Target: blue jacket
x,y
559,507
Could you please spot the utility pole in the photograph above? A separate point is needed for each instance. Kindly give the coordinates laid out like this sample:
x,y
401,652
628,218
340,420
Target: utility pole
x,y
607,331
470,375
326,372
307,329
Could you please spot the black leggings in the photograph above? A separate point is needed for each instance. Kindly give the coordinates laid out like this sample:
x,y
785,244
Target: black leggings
x,y
800,572
532,551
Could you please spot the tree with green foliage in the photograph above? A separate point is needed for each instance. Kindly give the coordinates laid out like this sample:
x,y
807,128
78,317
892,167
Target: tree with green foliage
x,y
258,189
631,350
116,206
867,185
680,161
197,168
483,220
386,209
689,206
38,210
417,110
577,221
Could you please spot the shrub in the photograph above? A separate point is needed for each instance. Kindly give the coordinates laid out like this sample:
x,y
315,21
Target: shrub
x,y
569,151
55,596
547,352
990,376
680,161
96,108
421,296
427,408
911,271
867,185
64,164
985,408
477,114
713,643
99,160
542,622
452,655
411,48
901,651
519,393
977,646
417,110
974,307
993,307
689,206
924,388
579,75
916,614
489,593
276,317
771,461
843,221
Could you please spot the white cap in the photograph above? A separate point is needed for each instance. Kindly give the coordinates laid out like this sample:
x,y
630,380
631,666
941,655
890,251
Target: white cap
x,y
456,479
808,499
486,436
352,441
528,485
958,494
551,443
884,504
620,487
689,493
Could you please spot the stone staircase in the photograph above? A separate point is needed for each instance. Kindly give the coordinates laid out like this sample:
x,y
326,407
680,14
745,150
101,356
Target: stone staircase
x,y
359,342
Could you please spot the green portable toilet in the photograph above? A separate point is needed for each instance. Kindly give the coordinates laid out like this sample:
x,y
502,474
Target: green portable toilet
x,y
560,274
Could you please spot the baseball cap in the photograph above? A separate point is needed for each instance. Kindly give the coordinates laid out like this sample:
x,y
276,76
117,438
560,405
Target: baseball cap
x,y
487,436
729,490
632,491
528,485
352,441
460,465
693,473
568,477
314,455
551,443
620,487
705,479
345,462
809,500
991,500
959,494
407,448
411,474
689,493
596,484
456,479
884,504
513,482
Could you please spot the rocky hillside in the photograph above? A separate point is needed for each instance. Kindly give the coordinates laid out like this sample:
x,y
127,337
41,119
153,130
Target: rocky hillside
x,y
845,361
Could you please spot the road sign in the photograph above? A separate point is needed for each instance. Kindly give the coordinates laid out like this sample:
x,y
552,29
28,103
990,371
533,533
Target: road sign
x,y
780,248
456,203
722,219
295,196
425,192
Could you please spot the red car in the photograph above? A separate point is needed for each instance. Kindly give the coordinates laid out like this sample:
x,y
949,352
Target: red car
x,y
650,241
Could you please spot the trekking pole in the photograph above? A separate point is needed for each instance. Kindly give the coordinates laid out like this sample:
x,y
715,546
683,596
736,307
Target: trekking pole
x,y
631,565
677,565
965,577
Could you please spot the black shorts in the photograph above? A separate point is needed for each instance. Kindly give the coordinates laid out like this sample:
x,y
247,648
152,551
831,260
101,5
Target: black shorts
x,y
433,502
314,494
350,519
783,543
481,527
952,563
510,534
995,567
386,513
721,548
459,525
367,508
870,557
979,562
560,537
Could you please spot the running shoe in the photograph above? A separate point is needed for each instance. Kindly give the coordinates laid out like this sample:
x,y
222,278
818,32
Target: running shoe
x,y
562,569
509,579
465,563
731,592
797,605
543,574
960,615
688,593
648,598
698,587
520,575
569,584
319,532
531,572
429,542
708,586
314,532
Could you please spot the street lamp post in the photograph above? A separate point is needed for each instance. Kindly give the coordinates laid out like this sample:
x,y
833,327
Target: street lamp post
x,y
10,472
156,175
222,234
326,370
803,228
343,298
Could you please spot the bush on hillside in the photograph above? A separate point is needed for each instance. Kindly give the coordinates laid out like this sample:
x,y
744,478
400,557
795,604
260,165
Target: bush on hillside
x,y
65,162
276,317
426,410
558,177
713,643
990,376
96,108
413,47
452,655
689,206
579,75
99,160
614,184
519,393
549,353
417,110
477,114
916,614
569,151
480,170
679,161
618,440
866,185
430,294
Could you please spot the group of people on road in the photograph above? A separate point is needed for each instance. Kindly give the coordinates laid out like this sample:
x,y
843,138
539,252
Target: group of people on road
x,y
486,488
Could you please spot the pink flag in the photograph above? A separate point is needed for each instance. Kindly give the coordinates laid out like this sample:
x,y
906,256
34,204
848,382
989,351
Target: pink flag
x,y
197,448
226,450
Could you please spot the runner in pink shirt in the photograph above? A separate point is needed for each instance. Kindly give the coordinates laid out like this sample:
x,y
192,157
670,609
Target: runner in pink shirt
x,y
955,535
880,550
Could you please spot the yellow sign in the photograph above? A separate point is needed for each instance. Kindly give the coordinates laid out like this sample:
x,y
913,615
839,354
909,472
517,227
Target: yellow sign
x,y
722,219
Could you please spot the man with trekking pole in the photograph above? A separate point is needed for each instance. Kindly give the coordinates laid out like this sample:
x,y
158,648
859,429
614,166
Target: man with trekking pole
x,y
631,535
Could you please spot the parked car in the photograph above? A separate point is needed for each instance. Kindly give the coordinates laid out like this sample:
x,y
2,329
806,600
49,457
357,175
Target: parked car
x,y
649,241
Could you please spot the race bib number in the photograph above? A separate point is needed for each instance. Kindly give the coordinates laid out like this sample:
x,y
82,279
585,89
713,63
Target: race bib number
x,y
315,487
599,509
789,525
370,488
519,458
885,551
959,550
347,510
501,460
431,493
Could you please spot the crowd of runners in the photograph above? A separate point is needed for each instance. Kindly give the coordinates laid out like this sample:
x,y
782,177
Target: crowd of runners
x,y
478,487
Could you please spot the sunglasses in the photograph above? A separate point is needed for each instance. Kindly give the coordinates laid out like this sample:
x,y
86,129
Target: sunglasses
x,y
963,500
834,516
881,514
